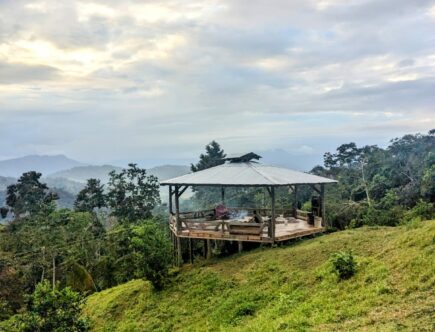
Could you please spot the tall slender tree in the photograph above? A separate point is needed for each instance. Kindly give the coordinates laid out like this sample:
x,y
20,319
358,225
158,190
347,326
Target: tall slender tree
x,y
91,197
29,196
213,156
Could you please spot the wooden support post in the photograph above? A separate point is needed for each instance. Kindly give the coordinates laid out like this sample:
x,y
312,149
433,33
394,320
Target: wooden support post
x,y
170,200
240,246
322,204
208,249
313,186
182,190
223,195
173,249
179,252
295,205
177,209
190,251
272,189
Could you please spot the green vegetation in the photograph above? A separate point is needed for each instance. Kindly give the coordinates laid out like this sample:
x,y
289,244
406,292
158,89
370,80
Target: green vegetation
x,y
291,288
91,197
132,194
377,186
50,310
344,264
360,278
29,196
205,197
73,248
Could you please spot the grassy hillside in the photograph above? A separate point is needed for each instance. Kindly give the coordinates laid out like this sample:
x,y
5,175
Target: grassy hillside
x,y
289,288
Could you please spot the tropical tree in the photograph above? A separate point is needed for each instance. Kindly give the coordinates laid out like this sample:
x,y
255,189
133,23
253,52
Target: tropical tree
x,y
91,197
53,310
132,194
29,196
213,156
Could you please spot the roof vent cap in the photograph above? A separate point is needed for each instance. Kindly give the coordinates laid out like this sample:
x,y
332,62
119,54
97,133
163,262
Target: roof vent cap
x,y
242,157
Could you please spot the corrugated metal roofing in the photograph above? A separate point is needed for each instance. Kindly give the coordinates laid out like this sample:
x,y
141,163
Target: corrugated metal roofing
x,y
246,174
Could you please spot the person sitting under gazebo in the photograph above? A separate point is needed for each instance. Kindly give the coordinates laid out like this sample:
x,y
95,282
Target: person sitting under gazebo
x,y
257,218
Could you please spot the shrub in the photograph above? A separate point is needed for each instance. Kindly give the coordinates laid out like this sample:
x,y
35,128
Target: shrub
x,y
152,252
340,214
344,264
306,206
53,310
422,210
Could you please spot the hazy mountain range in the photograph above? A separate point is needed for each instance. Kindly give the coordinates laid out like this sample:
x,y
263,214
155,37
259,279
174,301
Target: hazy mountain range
x,y
43,164
67,176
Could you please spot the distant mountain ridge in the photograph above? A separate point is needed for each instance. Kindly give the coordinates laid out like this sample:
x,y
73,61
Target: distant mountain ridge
x,y
67,176
41,163
82,173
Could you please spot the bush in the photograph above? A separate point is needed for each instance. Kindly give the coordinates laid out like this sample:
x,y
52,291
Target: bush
x,y
52,310
344,264
152,252
374,215
307,206
422,210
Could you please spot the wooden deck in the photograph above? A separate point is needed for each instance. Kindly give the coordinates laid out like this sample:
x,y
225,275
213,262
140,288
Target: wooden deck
x,y
285,229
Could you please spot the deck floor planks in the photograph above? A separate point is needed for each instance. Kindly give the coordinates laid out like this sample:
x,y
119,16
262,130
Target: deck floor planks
x,y
295,228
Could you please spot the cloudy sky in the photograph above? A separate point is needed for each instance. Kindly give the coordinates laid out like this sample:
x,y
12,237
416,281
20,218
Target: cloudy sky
x,y
111,81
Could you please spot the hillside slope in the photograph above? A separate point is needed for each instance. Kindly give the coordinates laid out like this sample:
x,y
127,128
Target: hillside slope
x,y
289,288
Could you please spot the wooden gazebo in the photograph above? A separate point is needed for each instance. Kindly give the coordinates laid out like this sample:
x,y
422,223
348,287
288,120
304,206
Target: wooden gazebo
x,y
254,225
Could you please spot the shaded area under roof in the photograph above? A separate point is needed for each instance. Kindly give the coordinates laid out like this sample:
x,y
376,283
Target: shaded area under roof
x,y
246,174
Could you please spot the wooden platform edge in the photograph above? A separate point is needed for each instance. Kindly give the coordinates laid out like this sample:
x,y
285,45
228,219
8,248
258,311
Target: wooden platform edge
x,y
216,235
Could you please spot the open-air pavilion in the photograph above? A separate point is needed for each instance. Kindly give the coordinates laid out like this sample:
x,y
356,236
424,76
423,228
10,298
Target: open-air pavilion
x,y
264,225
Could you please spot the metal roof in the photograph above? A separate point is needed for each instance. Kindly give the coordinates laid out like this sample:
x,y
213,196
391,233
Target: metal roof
x,y
246,174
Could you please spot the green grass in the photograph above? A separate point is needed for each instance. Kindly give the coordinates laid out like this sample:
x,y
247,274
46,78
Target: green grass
x,y
289,288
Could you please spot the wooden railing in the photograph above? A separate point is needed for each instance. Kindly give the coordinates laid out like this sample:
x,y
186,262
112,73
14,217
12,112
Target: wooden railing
x,y
204,219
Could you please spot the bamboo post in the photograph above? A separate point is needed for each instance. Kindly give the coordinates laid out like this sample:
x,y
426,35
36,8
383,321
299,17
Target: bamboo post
x,y
240,246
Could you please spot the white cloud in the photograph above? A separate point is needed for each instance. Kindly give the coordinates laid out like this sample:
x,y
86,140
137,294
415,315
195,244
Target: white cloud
x,y
173,75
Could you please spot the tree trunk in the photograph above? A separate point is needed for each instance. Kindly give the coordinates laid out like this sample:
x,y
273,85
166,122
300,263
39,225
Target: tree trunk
x,y
54,272
365,185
